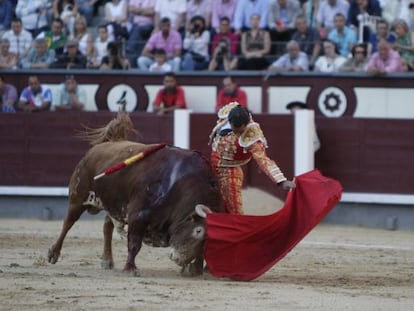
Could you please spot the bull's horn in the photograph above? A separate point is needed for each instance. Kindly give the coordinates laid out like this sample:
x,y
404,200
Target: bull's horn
x,y
202,210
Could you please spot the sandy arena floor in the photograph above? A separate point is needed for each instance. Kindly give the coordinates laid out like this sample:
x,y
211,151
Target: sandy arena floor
x,y
333,268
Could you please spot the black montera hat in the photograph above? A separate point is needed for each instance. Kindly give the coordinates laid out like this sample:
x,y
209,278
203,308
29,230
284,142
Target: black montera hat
x,y
296,104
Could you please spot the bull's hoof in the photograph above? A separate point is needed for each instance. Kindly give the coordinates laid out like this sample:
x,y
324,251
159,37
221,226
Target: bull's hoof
x,y
131,270
52,256
107,264
191,269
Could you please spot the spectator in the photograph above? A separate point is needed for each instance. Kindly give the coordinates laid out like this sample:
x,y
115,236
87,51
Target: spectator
x,y
282,17
142,12
167,39
221,9
225,33
160,64
114,59
8,96
308,39
230,92
55,38
404,42
382,33
386,60
19,38
83,37
86,9
33,15
310,10
116,17
198,8
196,44
358,60
255,46
331,61
368,7
170,97
293,60
100,48
39,57
344,37
298,105
393,9
70,95
223,58
245,9
174,11
8,60
326,14
36,97
71,59
6,15
67,11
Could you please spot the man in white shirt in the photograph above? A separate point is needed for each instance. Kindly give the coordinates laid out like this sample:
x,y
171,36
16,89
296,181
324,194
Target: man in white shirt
x,y
19,38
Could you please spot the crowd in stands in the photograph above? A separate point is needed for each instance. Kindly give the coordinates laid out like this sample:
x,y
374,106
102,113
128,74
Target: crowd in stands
x,y
373,36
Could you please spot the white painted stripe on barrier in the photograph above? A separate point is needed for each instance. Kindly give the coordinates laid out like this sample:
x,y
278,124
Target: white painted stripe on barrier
x,y
360,246
304,129
348,197
182,128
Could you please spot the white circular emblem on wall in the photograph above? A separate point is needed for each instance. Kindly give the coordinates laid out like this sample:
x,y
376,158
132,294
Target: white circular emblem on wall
x,y
332,102
122,95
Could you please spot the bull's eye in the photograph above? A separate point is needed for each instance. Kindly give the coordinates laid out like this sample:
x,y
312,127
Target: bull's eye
x,y
198,232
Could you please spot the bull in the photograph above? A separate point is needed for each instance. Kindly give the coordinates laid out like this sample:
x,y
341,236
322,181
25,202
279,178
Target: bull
x,y
163,199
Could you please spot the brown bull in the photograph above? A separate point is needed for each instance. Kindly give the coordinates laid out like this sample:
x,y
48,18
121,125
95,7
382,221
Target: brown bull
x,y
156,197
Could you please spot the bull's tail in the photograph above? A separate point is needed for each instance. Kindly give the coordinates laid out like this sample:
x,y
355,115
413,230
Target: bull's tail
x,y
117,129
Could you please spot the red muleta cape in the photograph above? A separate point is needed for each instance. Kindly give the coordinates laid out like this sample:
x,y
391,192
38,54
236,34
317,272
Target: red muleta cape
x,y
244,247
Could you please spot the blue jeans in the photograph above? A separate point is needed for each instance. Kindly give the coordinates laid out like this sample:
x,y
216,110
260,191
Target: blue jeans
x,y
138,37
191,63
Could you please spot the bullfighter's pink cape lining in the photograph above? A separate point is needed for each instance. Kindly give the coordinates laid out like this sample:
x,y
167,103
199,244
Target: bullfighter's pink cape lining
x,y
244,247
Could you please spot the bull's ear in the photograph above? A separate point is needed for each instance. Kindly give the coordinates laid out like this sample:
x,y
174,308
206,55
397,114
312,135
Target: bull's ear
x,y
202,210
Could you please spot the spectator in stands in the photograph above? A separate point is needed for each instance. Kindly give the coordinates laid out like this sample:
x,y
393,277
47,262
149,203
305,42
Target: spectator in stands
x,y
170,97
223,58
167,39
326,14
67,11
404,42
114,59
331,60
358,60
8,96
19,38
174,11
36,97
357,7
71,59
221,9
39,56
70,96
83,37
160,64
382,33
6,15
55,38
225,33
386,60
198,8
116,17
393,9
86,9
298,105
100,48
310,9
8,60
308,39
196,45
344,37
142,12
282,17
293,60
33,15
245,9
230,92
255,46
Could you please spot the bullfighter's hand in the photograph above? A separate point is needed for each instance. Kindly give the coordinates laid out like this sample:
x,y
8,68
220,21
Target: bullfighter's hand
x,y
288,184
